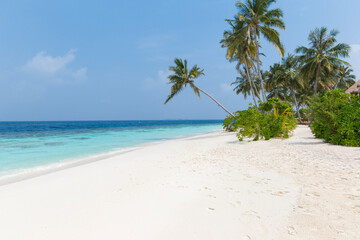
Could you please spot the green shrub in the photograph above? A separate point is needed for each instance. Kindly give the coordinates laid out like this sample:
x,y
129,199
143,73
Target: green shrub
x,y
228,124
336,118
273,119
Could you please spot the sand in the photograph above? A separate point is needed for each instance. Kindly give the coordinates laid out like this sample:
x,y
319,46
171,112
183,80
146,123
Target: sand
x,y
203,187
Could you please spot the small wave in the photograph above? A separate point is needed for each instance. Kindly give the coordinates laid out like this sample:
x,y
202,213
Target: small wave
x,y
54,143
81,138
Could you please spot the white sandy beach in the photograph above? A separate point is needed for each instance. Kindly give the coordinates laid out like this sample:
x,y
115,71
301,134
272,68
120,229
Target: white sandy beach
x,y
204,187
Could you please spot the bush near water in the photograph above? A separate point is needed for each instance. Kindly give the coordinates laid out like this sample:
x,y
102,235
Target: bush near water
x,y
336,117
272,119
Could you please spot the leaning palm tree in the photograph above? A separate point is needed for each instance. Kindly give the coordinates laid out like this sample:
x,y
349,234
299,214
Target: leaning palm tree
x,y
182,77
260,20
319,60
345,78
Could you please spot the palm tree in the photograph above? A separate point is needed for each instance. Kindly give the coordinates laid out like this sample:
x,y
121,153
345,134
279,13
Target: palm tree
x,y
345,78
181,77
293,81
274,82
243,86
319,60
240,48
303,95
283,81
258,19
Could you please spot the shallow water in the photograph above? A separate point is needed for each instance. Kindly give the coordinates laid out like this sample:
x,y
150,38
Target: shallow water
x,y
25,145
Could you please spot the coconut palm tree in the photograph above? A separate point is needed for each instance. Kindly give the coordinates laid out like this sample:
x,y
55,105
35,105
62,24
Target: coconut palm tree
x,y
319,60
292,79
240,48
182,77
261,21
274,82
345,78
283,81
303,95
243,86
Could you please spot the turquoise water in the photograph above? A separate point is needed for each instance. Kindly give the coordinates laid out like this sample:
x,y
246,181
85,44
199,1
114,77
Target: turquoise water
x,y
28,145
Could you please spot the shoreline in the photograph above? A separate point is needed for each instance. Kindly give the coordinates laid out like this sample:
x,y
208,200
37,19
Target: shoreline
x,y
208,186
27,173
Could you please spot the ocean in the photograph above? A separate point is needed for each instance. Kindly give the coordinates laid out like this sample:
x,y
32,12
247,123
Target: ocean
x,y
30,145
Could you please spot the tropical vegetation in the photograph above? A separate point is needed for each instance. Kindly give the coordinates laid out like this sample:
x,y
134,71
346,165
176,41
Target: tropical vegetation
x,y
310,82
273,118
322,60
337,117
254,19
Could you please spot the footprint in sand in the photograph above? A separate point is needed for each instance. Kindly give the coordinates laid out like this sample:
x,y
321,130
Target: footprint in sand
x,y
291,230
280,193
352,197
252,213
316,194
357,208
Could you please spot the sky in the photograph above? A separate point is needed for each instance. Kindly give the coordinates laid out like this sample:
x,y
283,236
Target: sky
x,y
109,60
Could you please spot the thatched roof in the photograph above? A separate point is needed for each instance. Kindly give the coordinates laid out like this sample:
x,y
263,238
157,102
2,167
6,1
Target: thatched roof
x,y
354,88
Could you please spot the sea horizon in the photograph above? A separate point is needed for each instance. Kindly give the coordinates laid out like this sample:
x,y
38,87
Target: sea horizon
x,y
30,146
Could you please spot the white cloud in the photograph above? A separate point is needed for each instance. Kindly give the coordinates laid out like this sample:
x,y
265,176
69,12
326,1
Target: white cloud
x,y
55,69
44,63
80,75
226,87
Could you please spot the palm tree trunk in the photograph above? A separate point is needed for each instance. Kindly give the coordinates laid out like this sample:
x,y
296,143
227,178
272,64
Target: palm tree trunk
x,y
252,93
258,65
250,82
214,100
317,78
296,105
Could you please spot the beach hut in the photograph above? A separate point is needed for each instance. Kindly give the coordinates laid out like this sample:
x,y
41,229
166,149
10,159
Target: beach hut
x,y
354,88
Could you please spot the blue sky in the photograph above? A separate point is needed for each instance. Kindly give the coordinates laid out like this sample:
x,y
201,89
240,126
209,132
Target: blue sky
x,y
108,60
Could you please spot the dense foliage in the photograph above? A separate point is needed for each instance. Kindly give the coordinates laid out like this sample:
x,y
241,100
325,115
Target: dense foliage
x,y
337,117
317,67
298,85
273,119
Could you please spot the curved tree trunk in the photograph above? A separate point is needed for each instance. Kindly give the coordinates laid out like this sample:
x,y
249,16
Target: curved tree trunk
x,y
296,105
214,100
258,65
250,82
257,92
252,93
